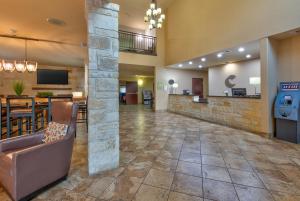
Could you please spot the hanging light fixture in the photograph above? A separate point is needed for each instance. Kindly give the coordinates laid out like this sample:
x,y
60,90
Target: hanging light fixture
x,y
154,16
8,66
19,65
1,65
30,65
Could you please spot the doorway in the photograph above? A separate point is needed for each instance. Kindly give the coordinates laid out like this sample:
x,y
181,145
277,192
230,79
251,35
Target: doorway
x,y
197,86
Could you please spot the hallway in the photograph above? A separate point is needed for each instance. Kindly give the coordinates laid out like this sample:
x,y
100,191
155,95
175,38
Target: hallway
x,y
167,157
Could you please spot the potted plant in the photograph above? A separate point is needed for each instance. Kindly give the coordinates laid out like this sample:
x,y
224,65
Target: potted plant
x,y
45,94
18,87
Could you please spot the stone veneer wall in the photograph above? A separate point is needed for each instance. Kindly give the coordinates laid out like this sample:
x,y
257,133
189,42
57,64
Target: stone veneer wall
x,y
76,81
242,113
103,51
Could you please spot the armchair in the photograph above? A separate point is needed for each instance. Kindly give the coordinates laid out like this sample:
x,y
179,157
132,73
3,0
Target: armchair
x,y
28,165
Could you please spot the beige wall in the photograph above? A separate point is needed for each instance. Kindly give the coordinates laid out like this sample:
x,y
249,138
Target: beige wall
x,y
198,27
288,51
147,85
76,81
242,70
182,77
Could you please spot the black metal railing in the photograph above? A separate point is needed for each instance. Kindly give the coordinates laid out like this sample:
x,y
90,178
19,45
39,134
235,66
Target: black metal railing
x,y
137,43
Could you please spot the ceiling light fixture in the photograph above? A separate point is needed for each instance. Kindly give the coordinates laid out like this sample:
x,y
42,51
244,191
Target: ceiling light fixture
x,y
203,59
154,16
19,65
190,62
220,55
200,66
180,65
241,49
248,56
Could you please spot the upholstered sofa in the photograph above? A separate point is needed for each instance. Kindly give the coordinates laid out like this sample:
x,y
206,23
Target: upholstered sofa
x,y
27,165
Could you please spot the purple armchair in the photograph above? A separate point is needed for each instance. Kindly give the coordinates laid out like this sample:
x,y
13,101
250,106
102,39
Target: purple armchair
x,y
28,165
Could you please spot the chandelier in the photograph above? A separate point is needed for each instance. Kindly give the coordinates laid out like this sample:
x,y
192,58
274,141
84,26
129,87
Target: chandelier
x,y
18,65
154,16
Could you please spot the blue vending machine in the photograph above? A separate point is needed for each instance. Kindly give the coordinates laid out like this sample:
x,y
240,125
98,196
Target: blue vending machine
x,y
287,112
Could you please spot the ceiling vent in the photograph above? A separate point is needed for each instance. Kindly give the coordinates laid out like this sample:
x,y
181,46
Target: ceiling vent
x,y
56,22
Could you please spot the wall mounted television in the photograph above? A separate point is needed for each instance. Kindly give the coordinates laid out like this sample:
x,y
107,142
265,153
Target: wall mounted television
x,y
58,77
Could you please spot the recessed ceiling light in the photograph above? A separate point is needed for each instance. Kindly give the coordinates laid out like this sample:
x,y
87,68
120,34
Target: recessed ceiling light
x,y
200,66
55,21
227,51
220,55
203,59
248,56
190,62
180,65
241,49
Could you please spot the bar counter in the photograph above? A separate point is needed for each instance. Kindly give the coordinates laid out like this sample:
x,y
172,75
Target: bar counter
x,y
237,112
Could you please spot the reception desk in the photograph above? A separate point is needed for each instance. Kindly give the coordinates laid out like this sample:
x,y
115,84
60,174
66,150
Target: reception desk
x,y
237,112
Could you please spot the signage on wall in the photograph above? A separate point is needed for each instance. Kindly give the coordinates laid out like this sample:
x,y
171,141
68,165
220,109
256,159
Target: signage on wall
x,y
228,81
290,86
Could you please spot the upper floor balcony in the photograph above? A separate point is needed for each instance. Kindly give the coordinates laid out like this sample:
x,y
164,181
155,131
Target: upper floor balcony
x,y
137,43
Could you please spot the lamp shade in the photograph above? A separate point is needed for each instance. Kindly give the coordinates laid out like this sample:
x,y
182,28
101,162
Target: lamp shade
x,y
254,80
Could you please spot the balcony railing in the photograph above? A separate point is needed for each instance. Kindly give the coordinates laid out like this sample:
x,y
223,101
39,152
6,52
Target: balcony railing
x,y
137,43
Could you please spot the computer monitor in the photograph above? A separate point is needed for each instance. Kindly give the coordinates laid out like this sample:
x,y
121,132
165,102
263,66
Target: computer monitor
x,y
239,91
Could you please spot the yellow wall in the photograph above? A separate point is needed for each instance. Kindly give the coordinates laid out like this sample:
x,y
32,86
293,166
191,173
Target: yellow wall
x,y
198,27
288,51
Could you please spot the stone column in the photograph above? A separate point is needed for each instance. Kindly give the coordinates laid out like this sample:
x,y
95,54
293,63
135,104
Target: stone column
x,y
103,84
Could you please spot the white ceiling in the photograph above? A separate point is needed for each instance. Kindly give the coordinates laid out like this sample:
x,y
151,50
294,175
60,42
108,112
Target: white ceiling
x,y
230,55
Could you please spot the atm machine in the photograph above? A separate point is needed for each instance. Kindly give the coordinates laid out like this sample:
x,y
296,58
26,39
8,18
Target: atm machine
x,y
287,112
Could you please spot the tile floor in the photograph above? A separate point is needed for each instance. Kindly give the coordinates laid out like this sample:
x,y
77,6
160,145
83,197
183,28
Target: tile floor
x,y
167,157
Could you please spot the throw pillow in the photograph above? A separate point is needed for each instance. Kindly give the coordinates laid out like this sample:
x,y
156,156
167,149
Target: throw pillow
x,y
55,131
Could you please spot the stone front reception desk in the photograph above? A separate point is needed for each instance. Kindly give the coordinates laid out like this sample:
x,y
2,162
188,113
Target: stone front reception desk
x,y
242,113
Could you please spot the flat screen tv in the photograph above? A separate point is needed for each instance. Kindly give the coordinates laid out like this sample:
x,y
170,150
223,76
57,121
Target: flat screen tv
x,y
45,76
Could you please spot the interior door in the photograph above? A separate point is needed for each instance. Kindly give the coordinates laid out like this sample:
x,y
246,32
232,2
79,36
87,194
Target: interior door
x,y
131,93
197,86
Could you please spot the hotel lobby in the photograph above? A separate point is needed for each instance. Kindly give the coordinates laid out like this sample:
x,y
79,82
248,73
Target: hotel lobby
x,y
150,100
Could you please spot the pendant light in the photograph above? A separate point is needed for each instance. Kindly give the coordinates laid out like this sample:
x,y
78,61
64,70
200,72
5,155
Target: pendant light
x,y
154,16
19,65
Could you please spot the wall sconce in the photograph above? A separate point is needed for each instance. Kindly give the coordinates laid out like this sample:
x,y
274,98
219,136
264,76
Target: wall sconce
x,y
140,82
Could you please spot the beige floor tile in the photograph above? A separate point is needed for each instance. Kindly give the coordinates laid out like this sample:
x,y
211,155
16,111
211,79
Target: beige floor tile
x,y
216,190
165,164
246,193
245,178
187,184
190,157
160,179
279,196
121,189
240,164
193,169
174,196
149,193
213,160
216,173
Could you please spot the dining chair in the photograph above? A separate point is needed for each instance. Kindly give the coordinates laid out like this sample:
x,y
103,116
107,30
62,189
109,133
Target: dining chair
x,y
20,108
57,98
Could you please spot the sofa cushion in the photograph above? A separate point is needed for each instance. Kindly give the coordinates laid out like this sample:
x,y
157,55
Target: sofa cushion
x,y
55,131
